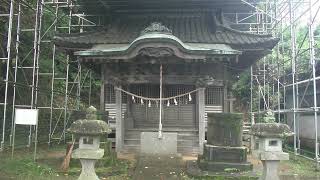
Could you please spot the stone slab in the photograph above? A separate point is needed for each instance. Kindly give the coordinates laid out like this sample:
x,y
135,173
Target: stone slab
x,y
155,167
223,166
272,156
151,144
193,169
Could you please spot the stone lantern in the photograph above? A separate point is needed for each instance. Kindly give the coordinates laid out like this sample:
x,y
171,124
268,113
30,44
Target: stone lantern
x,y
89,131
268,147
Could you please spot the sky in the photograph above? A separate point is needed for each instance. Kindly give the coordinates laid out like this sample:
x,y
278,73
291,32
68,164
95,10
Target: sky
x,y
305,16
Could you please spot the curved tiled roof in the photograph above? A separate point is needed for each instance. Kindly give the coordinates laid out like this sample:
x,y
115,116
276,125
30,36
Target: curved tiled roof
x,y
190,28
161,41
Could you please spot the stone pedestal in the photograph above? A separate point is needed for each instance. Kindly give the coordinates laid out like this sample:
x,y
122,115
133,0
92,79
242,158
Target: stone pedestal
x,y
88,158
270,161
224,148
88,172
219,158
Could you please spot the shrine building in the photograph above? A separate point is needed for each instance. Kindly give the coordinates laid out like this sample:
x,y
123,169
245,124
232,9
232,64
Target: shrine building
x,y
191,52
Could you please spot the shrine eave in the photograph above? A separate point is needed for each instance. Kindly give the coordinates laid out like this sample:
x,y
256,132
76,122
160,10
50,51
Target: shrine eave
x,y
158,45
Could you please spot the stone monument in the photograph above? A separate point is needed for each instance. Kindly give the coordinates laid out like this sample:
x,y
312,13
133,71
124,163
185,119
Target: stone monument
x,y
268,147
89,131
224,149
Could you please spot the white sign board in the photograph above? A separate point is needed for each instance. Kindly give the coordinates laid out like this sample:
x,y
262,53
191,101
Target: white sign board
x,y
26,116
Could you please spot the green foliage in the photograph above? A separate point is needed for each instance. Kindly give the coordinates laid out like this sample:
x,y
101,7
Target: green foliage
x,y
24,167
269,117
241,88
222,177
300,166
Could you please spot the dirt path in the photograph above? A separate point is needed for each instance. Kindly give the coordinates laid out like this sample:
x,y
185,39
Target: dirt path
x,y
159,167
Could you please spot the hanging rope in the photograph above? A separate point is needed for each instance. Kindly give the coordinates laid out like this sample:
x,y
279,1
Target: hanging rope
x,y
158,99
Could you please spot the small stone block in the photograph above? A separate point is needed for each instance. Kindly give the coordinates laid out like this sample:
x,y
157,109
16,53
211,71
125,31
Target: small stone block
x,y
89,142
273,156
225,154
88,154
270,144
151,144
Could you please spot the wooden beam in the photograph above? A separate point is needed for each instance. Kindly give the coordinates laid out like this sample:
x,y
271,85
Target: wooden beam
x,y
153,79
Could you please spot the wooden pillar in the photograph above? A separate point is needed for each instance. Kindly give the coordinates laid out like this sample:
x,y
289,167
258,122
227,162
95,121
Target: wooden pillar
x,y
200,115
129,124
102,90
225,98
231,104
119,121
225,90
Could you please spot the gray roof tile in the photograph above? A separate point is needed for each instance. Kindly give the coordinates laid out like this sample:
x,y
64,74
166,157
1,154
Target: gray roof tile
x,y
194,28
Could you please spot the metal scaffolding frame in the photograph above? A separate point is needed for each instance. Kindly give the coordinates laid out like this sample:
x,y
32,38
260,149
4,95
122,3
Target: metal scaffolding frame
x,y
20,71
288,14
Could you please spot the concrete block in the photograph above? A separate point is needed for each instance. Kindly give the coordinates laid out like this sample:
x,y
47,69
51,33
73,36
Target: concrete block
x,y
151,144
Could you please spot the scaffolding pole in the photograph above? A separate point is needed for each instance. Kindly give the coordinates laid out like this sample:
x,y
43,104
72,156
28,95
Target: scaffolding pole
x,y
53,77
66,98
278,69
288,13
313,64
34,68
293,67
7,74
15,75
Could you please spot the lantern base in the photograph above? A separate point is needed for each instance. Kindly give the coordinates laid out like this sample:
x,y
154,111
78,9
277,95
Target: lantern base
x,y
88,172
